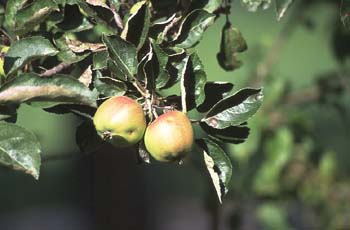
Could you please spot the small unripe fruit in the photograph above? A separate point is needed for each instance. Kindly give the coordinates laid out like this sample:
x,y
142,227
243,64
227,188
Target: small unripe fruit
x,y
121,121
169,137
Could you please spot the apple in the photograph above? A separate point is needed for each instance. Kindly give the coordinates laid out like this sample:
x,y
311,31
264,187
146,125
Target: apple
x,y
169,137
120,120
3,52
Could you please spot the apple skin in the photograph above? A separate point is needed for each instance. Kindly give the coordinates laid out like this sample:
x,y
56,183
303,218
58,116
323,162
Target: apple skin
x,y
121,121
169,137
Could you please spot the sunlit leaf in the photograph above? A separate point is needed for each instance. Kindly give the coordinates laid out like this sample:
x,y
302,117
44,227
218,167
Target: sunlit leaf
x,y
26,50
19,149
235,109
59,88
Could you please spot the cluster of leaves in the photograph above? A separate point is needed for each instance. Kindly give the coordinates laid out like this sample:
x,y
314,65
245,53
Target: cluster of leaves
x,y
67,56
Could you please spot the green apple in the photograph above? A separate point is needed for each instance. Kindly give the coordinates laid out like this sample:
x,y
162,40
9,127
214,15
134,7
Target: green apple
x,y
120,120
3,52
169,137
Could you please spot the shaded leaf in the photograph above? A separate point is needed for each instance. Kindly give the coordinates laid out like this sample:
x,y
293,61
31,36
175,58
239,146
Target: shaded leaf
x,y
235,109
231,134
32,15
123,54
192,28
137,27
87,138
176,66
99,60
143,154
281,7
58,88
194,79
214,92
19,149
218,165
25,50
108,86
12,6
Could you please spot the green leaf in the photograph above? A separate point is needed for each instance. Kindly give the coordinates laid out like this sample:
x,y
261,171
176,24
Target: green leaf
x,y
32,15
123,55
192,28
278,150
137,27
58,88
231,134
19,149
254,5
218,165
208,5
65,54
12,6
281,7
176,67
87,138
194,79
109,87
26,50
234,110
99,60
214,92
345,13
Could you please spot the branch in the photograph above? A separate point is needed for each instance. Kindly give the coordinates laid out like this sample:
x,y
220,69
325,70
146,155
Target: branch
x,y
56,69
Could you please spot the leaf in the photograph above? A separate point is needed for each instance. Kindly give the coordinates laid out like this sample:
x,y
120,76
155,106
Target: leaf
x,y
65,54
123,54
208,5
194,79
254,5
87,138
345,13
218,165
143,154
214,92
58,88
99,60
231,134
86,76
176,67
32,15
26,50
78,47
109,87
12,6
192,28
8,113
153,67
278,150
281,7
232,43
137,27
235,109
19,149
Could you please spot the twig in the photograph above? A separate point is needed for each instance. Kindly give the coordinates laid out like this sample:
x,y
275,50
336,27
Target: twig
x,y
56,69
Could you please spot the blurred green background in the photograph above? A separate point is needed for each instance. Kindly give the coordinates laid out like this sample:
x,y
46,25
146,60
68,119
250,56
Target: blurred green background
x,y
291,173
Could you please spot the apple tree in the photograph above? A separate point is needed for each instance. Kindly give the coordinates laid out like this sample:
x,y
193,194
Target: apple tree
x,y
71,56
